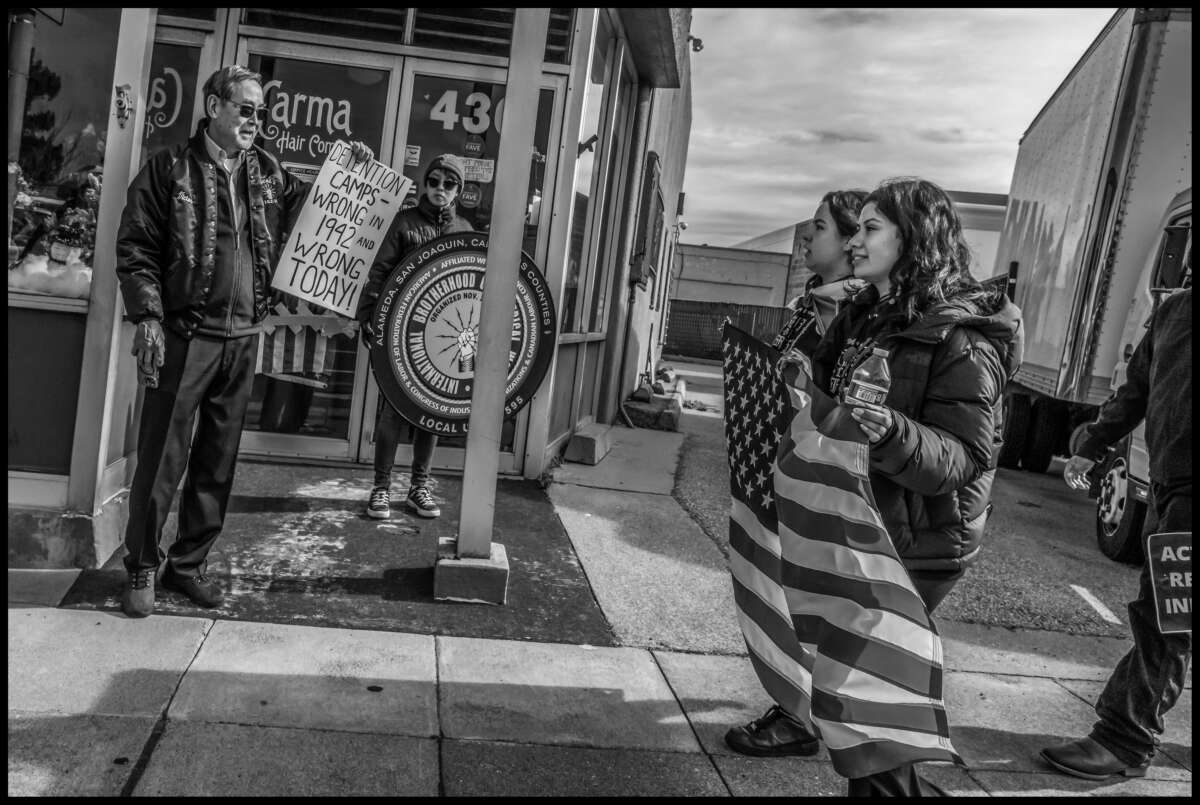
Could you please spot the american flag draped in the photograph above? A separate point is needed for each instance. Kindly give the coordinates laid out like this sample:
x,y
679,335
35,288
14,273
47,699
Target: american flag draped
x,y
836,632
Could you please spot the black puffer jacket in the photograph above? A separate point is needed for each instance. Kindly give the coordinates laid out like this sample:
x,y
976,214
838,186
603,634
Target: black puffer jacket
x,y
166,243
410,229
932,473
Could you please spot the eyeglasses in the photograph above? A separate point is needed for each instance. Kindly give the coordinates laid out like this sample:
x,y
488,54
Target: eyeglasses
x,y
435,183
248,110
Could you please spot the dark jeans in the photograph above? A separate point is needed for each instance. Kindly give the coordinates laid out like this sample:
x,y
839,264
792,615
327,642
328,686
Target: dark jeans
x,y
211,376
388,426
1147,681
903,781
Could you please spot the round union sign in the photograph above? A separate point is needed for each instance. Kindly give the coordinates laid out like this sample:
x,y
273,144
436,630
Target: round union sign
x,y
426,325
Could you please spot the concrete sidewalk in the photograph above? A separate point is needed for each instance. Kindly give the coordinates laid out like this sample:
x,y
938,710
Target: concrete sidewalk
x,y
188,704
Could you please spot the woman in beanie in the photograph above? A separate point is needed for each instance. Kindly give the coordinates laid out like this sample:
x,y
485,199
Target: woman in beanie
x,y
433,216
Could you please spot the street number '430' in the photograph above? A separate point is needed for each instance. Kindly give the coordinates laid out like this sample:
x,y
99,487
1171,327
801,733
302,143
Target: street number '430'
x,y
479,115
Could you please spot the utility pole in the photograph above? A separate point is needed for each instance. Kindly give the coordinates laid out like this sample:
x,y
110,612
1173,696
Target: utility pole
x,y
477,569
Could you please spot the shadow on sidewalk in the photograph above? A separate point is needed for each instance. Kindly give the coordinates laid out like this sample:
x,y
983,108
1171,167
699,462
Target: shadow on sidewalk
x,y
298,548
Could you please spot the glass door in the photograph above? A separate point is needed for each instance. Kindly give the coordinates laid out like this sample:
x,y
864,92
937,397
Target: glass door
x,y
459,109
181,61
308,397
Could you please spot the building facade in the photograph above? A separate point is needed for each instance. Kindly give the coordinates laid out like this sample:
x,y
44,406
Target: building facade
x,y
94,91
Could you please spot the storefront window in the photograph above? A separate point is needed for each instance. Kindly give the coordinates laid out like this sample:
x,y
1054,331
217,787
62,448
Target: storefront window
x,y
614,198
585,167
62,138
170,102
464,117
306,374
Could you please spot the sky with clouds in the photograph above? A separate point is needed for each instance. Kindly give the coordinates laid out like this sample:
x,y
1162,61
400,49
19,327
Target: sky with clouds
x,y
790,103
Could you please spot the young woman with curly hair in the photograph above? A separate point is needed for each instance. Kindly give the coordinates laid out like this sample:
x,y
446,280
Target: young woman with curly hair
x,y
952,346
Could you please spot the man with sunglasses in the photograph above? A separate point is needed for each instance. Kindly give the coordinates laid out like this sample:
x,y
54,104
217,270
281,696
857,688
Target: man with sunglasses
x,y
434,215
203,225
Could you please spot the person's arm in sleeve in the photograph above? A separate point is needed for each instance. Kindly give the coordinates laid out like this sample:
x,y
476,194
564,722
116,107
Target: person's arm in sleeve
x,y
951,445
1122,412
142,240
385,260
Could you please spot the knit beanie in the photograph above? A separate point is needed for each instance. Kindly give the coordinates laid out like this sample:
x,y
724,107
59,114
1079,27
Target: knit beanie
x,y
449,163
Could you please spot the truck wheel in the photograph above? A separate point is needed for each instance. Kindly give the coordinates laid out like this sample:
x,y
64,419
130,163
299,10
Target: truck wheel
x,y
1119,516
1047,422
1016,427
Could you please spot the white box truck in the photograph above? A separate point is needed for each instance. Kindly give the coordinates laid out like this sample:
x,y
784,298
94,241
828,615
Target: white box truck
x,y
1099,214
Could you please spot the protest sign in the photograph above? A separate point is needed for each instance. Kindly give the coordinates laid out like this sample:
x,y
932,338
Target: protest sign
x,y
339,231
1169,560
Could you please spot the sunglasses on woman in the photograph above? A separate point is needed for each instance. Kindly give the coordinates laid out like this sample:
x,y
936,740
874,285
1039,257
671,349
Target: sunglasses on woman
x,y
435,183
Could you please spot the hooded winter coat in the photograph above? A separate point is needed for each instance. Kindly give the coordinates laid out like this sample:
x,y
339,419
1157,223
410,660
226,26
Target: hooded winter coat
x,y
932,473
814,312
410,229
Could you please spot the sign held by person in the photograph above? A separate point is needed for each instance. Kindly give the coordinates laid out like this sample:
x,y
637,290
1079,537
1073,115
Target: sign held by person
x,y
1169,555
339,230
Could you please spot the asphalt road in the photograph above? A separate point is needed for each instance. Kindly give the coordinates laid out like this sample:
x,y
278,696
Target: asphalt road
x,y
1039,569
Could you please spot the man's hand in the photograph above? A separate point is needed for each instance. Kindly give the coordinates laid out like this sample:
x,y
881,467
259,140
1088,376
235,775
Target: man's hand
x,y
361,151
366,332
873,420
149,348
1076,472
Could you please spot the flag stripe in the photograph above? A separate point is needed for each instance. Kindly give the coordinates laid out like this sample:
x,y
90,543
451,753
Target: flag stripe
x,y
796,675
765,588
753,529
857,683
782,691
774,628
821,498
844,560
852,750
822,527
887,597
919,717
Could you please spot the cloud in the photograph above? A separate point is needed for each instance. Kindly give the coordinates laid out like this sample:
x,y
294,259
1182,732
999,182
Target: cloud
x,y
952,135
844,17
804,138
790,103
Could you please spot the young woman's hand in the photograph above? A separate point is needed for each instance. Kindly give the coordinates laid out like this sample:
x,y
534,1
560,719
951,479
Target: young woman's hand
x,y
874,420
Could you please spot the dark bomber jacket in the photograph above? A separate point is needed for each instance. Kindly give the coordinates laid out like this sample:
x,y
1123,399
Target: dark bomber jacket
x,y
410,228
167,244
1158,388
932,474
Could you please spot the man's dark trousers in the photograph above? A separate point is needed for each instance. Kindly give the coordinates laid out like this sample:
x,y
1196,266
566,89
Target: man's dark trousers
x,y
1147,681
211,376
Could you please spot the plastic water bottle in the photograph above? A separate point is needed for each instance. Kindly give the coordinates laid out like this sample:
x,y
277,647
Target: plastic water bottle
x,y
871,380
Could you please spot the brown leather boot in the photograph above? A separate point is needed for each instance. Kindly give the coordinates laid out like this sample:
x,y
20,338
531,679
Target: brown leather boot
x,y
138,599
1088,759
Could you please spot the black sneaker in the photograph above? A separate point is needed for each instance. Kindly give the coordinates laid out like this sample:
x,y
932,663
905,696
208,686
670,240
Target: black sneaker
x,y
421,501
380,505
138,598
202,591
775,734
